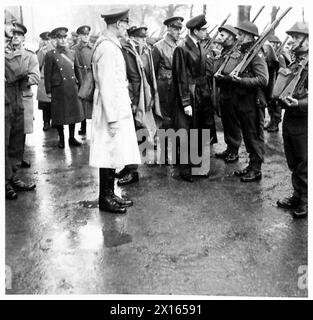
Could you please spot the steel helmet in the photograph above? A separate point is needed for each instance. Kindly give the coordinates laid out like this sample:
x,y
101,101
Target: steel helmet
x,y
229,28
273,38
299,27
249,27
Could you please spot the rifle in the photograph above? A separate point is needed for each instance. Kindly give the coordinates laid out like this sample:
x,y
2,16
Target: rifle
x,y
296,81
281,47
209,42
212,29
257,45
258,13
215,89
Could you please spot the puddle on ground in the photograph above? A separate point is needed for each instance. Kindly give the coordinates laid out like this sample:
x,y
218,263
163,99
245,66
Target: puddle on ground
x,y
113,238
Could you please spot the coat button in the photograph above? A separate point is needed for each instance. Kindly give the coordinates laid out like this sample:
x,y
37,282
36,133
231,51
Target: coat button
x,y
64,78
61,69
72,77
57,59
72,67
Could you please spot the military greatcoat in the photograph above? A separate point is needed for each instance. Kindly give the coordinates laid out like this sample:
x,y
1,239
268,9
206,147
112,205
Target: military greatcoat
x,y
83,58
61,80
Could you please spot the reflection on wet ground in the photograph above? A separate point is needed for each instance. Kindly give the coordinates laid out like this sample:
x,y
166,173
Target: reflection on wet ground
x,y
216,236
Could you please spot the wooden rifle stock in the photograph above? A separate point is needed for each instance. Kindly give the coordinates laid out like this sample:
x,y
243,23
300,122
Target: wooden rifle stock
x,y
290,88
257,45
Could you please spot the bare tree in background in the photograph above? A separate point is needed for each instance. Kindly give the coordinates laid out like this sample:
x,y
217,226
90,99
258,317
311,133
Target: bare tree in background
x,y
243,13
191,11
274,13
204,9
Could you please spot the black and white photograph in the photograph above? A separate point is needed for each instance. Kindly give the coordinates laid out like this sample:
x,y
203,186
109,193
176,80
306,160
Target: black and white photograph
x,y
156,149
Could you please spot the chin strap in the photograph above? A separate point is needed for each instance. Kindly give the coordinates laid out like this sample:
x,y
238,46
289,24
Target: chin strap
x,y
300,44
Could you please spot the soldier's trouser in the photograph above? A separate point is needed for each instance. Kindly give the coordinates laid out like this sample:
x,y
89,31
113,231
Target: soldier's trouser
x,y
71,129
166,94
14,140
231,125
251,123
46,115
46,111
274,110
296,151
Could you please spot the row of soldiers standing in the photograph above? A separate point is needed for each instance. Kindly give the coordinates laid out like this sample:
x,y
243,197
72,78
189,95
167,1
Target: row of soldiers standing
x,y
171,87
184,74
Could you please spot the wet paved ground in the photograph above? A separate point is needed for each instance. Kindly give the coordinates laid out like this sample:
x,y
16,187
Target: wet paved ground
x,y
216,236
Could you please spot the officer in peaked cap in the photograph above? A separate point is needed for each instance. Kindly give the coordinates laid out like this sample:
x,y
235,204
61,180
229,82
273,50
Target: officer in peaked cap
x,y
61,84
162,54
45,35
115,15
140,32
112,106
295,124
44,39
130,30
197,22
192,106
83,52
60,32
83,30
21,72
175,22
19,28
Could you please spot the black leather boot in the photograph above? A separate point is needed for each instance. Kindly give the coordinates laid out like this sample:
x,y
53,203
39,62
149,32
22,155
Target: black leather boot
x,y
107,200
82,130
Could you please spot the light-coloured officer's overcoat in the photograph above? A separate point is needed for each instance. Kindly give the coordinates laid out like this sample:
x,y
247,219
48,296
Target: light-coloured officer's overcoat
x,y
111,104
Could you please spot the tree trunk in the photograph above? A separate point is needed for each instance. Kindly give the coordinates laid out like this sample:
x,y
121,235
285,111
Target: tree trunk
x,y
191,10
204,9
243,13
274,13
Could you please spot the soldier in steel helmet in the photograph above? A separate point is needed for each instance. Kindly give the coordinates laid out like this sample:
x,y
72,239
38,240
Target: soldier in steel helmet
x,y
232,135
249,102
295,124
274,63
